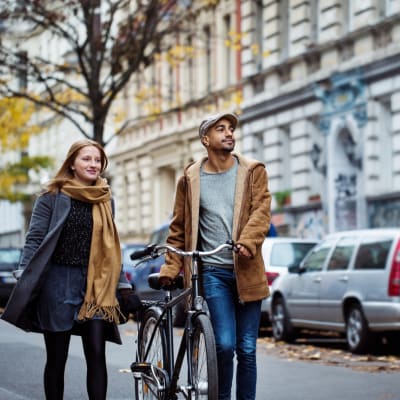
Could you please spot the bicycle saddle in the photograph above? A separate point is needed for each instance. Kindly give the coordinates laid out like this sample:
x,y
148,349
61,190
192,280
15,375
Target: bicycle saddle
x,y
154,284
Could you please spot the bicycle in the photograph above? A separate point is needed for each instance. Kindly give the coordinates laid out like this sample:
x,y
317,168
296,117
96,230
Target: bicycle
x,y
156,372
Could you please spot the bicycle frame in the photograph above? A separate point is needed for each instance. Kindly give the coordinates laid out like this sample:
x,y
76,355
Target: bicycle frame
x,y
174,367
151,373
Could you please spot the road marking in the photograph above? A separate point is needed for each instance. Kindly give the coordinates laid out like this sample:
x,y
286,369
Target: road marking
x,y
15,395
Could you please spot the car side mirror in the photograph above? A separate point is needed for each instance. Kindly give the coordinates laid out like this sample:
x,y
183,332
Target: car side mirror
x,y
293,269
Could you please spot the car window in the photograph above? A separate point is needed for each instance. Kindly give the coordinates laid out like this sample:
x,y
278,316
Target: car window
x,y
373,253
9,256
342,253
286,254
126,254
316,258
159,236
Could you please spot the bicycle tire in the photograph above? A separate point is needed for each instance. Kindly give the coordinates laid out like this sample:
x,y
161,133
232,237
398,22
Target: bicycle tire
x,y
204,360
156,355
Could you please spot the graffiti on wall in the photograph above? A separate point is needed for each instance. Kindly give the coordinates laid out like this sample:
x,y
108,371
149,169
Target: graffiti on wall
x,y
312,224
384,214
345,202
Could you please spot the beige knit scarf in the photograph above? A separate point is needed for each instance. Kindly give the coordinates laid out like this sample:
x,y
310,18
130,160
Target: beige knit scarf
x,y
105,253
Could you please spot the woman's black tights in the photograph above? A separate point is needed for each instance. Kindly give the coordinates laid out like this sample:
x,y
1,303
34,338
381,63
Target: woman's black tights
x,y
94,347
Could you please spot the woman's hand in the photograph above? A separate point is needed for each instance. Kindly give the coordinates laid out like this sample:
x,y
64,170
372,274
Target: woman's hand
x,y
131,301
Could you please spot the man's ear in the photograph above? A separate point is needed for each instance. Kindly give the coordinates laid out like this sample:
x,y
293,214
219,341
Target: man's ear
x,y
204,141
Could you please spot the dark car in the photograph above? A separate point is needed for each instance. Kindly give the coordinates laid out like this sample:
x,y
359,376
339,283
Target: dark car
x,y
128,266
139,277
145,268
9,260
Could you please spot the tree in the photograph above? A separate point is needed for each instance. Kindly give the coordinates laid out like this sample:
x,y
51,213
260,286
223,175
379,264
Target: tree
x,y
15,126
104,43
16,129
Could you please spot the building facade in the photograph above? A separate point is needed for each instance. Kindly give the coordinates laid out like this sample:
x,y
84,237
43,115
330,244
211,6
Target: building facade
x,y
147,159
319,87
321,111
316,84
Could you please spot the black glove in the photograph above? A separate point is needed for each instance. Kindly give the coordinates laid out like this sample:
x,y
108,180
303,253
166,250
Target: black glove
x,y
129,302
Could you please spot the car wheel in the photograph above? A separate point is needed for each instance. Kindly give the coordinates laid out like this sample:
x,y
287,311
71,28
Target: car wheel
x,y
357,333
282,329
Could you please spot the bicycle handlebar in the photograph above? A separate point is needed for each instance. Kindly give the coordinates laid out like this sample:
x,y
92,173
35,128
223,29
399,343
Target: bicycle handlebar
x,y
155,251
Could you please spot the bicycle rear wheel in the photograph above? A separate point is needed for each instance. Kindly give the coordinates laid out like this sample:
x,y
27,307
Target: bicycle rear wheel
x,y
204,360
153,381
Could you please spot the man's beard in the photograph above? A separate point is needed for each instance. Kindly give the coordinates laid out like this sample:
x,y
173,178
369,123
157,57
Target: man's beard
x,y
230,149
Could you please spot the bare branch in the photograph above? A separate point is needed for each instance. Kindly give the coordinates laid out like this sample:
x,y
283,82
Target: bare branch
x,y
103,46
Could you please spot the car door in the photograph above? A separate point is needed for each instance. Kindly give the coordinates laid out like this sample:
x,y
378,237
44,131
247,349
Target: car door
x,y
303,298
335,280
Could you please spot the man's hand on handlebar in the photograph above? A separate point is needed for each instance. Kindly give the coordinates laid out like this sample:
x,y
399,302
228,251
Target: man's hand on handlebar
x,y
165,281
243,251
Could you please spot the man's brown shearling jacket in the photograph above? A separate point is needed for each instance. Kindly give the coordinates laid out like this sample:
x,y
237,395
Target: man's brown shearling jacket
x,y
251,220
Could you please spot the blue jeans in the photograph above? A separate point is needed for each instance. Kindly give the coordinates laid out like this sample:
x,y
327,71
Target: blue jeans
x,y
236,330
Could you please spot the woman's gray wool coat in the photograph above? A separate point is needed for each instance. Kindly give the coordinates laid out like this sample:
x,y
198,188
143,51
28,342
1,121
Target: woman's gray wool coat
x,y
48,217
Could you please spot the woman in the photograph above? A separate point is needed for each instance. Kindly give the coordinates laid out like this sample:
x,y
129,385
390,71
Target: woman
x,y
72,270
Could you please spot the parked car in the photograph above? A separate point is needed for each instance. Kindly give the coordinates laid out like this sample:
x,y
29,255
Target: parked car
x,y
348,283
9,260
144,268
128,266
278,254
139,276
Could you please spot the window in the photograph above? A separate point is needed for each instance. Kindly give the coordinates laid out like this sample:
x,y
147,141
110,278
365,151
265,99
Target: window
x,y
284,39
314,13
287,254
373,253
228,50
285,156
384,142
341,256
207,35
171,84
258,34
316,259
190,71
9,256
386,7
22,69
160,235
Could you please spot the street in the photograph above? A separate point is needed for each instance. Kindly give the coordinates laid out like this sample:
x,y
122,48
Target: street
x,y
22,358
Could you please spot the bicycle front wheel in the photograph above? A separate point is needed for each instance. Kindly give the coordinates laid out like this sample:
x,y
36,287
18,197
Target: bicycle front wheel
x,y
204,360
153,382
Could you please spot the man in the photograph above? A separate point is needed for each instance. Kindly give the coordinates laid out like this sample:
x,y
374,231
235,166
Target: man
x,y
225,196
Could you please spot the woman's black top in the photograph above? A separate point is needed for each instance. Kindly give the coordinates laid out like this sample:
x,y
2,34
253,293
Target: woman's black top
x,y
73,246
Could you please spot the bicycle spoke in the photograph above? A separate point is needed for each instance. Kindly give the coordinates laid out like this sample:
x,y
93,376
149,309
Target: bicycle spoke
x,y
200,367
204,360
152,353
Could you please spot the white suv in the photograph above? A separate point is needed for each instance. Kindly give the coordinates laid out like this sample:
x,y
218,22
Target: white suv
x,y
278,254
349,282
